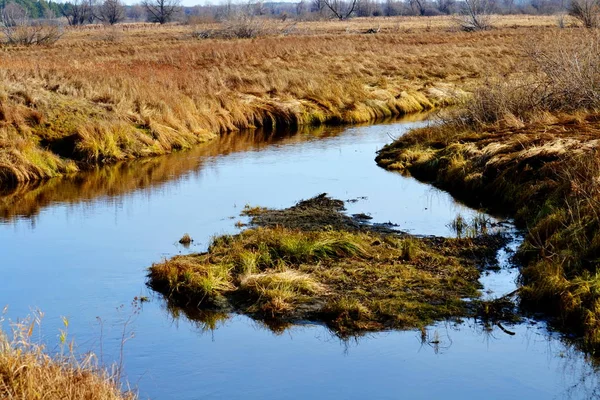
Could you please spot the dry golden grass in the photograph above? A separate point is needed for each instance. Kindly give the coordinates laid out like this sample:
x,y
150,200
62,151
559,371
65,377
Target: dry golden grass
x,y
312,27
102,95
27,372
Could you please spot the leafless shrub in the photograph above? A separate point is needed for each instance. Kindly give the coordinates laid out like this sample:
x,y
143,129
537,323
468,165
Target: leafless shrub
x,y
564,76
244,26
18,29
112,35
586,11
502,101
111,11
475,15
239,28
571,72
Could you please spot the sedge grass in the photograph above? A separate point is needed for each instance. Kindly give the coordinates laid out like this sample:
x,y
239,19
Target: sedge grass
x,y
28,371
531,152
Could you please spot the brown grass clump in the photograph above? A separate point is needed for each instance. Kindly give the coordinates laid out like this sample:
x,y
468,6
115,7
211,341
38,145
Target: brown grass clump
x,y
186,239
534,154
28,372
86,100
353,280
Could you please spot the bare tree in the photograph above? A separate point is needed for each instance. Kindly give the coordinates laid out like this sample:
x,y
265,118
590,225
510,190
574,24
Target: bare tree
x,y
365,8
390,8
228,8
419,6
476,15
302,9
135,12
91,17
509,6
161,11
13,14
257,8
317,6
446,6
78,12
341,9
586,11
111,11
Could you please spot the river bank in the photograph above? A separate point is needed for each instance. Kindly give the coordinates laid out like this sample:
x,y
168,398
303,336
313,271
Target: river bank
x,y
29,371
529,148
153,91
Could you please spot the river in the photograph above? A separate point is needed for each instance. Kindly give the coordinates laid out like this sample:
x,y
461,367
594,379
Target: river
x,y
79,247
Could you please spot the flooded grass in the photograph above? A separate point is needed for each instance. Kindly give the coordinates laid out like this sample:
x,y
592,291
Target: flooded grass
x,y
312,262
479,225
186,239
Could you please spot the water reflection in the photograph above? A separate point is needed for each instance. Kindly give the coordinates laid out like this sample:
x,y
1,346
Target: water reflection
x,y
207,320
577,377
28,199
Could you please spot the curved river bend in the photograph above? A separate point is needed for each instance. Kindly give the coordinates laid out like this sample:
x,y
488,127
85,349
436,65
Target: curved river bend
x,y
78,247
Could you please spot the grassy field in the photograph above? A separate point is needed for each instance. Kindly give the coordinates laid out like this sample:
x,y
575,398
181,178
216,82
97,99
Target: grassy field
x,y
528,146
108,94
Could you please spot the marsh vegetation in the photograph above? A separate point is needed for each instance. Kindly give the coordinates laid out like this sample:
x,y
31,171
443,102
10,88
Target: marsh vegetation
x,y
154,90
522,142
312,262
528,146
29,371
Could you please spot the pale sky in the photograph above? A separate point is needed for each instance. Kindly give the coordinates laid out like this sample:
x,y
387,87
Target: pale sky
x,y
189,3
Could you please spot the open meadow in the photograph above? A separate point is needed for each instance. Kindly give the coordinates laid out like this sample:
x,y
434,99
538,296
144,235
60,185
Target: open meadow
x,y
105,94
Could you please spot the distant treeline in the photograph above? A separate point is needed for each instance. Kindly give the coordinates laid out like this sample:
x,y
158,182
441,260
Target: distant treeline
x,y
316,9
36,9
304,9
